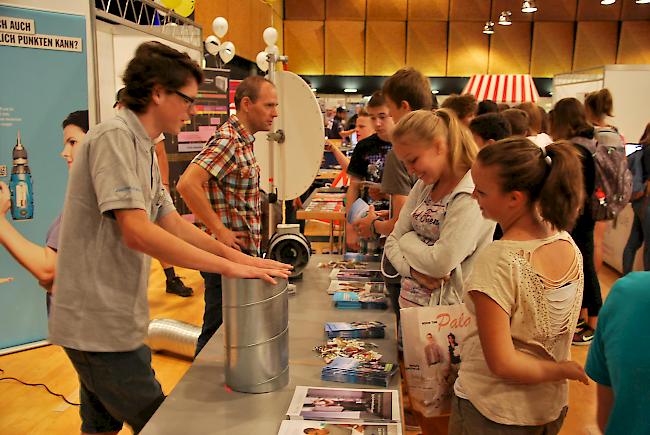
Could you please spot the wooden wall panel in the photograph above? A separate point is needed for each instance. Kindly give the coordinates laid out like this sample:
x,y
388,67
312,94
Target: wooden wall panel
x,y
513,6
633,11
304,10
469,10
556,10
428,10
634,45
552,48
467,52
345,10
260,20
596,43
385,47
592,10
426,47
304,44
239,32
510,50
344,48
205,11
386,10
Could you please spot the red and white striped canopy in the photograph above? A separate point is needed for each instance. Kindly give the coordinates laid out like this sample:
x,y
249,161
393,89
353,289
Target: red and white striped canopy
x,y
502,88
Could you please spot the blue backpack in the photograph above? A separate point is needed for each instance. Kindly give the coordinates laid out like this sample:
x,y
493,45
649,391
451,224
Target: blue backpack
x,y
635,164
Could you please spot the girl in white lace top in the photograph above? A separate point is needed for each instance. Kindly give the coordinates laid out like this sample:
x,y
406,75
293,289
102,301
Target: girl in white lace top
x,y
525,292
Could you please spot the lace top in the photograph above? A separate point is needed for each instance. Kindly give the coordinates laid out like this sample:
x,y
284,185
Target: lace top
x,y
543,313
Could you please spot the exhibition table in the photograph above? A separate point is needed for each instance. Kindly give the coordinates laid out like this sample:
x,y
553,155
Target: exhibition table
x,y
202,404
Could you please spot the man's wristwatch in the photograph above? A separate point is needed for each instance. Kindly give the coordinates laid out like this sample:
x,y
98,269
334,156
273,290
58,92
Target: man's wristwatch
x,y
373,230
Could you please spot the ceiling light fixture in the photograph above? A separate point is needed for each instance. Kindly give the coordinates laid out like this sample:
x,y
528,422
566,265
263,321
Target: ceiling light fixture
x,y
504,18
642,2
607,2
528,7
488,29
349,90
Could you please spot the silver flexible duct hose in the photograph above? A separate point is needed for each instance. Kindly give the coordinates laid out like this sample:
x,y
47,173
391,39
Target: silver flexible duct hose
x,y
173,336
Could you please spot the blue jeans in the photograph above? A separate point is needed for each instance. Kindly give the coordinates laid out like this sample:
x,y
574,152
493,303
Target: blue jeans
x,y
640,232
213,312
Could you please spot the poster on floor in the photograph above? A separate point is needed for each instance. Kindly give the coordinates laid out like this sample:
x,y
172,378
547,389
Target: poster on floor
x,y
44,78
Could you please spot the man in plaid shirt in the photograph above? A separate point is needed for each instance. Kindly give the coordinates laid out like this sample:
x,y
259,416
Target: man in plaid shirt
x,y
221,186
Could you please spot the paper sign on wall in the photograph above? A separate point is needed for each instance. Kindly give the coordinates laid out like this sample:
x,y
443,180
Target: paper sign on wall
x,y
19,32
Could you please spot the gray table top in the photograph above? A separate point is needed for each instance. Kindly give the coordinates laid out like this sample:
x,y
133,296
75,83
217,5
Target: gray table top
x,y
201,404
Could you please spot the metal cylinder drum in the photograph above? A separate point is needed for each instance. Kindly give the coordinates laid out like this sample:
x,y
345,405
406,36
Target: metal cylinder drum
x,y
289,246
256,322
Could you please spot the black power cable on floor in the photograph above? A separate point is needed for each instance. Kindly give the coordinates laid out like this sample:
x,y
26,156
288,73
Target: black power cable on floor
x,y
8,378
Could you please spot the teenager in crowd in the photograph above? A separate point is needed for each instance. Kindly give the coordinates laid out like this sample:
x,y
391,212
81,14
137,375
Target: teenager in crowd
x,y
524,291
535,119
489,128
464,106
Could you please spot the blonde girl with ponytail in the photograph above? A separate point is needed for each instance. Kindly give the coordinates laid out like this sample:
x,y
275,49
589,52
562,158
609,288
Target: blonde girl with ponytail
x,y
440,228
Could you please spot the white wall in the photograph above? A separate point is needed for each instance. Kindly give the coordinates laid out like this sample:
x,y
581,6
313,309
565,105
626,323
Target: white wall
x,y
631,91
116,46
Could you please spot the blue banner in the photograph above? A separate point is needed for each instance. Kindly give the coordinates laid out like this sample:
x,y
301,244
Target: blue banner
x,y
44,78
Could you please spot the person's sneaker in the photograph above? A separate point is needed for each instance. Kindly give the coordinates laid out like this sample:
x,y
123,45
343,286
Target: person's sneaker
x,y
583,336
176,286
581,325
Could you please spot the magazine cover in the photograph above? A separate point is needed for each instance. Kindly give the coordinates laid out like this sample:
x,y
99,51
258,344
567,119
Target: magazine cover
x,y
344,404
432,338
358,210
355,286
302,427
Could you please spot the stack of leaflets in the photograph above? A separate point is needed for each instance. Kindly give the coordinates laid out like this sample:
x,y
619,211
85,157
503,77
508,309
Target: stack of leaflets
x,y
302,427
355,286
371,329
363,275
349,348
347,407
343,264
354,371
363,299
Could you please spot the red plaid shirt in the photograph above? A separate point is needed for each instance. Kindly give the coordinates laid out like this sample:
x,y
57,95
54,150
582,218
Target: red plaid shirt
x,y
234,188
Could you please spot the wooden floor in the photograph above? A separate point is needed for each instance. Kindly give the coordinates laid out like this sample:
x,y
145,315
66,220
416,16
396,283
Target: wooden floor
x,y
31,410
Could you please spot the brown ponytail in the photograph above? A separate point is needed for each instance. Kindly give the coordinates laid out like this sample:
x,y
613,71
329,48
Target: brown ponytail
x,y
600,103
552,178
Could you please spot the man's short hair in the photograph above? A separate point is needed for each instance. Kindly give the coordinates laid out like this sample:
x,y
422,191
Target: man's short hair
x,y
155,63
487,106
250,87
518,120
78,118
462,105
363,113
376,100
491,126
408,84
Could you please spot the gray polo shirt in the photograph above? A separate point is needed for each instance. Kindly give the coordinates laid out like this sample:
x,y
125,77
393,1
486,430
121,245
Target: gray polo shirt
x,y
101,284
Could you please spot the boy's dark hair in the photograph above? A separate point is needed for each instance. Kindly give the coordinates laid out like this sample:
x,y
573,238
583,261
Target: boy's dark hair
x,y
376,99
518,120
250,87
487,106
463,105
78,118
156,64
408,84
491,126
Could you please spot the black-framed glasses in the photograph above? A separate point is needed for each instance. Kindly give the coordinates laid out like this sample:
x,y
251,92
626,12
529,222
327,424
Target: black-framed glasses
x,y
189,100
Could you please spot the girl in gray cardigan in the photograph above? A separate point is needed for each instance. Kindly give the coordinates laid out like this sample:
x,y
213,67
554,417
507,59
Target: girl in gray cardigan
x,y
440,227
